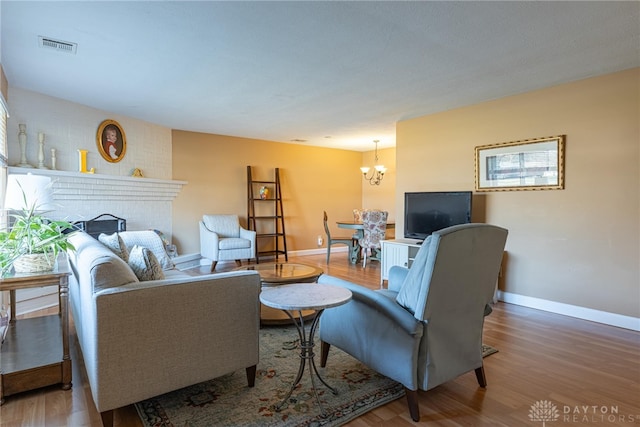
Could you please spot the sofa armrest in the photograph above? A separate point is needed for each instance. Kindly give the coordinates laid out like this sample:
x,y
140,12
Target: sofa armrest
x,y
380,303
248,234
209,242
153,337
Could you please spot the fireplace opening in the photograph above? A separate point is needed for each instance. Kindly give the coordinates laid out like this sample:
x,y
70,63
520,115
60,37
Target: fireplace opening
x,y
95,226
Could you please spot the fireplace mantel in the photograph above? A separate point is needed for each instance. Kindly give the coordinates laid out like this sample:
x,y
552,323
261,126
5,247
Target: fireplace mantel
x,y
86,186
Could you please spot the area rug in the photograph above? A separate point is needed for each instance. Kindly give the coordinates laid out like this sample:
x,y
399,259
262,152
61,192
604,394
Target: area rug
x,y
227,401
487,350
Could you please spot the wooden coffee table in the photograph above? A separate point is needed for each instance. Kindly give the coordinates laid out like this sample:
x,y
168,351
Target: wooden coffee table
x,y
282,273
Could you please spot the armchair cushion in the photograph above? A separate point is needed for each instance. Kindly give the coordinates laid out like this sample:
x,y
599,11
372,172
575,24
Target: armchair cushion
x,y
379,301
415,286
234,243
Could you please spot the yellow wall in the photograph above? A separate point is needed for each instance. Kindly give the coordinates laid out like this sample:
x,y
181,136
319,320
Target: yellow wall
x,y
313,179
578,246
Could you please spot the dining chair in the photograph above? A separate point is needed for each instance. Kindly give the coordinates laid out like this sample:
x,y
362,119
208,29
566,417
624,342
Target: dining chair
x,y
357,214
374,225
357,217
336,240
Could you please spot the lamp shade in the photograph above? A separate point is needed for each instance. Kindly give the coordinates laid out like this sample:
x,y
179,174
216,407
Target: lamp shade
x,y
29,191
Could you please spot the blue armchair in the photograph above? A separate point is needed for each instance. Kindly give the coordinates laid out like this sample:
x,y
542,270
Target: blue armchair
x,y
426,328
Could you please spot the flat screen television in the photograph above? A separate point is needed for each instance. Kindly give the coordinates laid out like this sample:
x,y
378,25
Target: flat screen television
x,y
426,212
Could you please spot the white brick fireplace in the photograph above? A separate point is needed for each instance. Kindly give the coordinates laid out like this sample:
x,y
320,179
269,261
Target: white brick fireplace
x,y
145,203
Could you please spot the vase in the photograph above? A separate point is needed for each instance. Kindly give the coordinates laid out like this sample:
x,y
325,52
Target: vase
x,y
264,193
33,263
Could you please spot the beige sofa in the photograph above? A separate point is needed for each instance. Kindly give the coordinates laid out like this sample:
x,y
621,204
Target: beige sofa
x,y
143,339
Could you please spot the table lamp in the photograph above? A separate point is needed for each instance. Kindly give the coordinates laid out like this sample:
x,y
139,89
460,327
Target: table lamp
x,y
29,191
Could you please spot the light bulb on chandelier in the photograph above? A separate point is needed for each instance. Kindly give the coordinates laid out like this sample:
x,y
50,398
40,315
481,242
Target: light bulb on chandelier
x,y
378,170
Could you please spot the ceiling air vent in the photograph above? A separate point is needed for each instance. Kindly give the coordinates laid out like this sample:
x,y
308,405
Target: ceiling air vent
x,y
59,45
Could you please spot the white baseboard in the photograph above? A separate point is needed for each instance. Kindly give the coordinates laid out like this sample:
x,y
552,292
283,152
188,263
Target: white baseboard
x,y
29,300
304,252
613,319
186,261
319,251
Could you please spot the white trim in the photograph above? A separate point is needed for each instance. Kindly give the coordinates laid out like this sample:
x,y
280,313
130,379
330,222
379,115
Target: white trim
x,y
319,251
186,261
34,299
613,319
87,186
304,252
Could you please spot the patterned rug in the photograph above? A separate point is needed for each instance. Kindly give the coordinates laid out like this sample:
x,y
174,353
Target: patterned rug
x,y
227,401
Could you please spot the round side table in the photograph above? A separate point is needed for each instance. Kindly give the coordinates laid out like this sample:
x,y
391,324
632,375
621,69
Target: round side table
x,y
294,299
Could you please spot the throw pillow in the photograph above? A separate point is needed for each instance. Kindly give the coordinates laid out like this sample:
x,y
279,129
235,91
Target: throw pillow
x,y
412,287
144,264
148,239
116,244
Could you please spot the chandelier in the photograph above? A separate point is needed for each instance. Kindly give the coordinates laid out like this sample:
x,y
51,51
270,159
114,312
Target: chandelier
x,y
378,170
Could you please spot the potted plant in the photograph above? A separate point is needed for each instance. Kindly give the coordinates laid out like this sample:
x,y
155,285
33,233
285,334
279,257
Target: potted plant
x,y
33,242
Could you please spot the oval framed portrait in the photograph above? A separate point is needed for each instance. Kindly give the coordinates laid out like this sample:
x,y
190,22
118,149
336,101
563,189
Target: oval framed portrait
x,y
111,141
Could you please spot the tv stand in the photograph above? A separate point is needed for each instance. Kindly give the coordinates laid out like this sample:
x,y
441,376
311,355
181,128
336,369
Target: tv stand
x,y
400,252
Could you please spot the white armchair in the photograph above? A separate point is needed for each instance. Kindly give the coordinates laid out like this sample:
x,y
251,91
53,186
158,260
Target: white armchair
x,y
223,239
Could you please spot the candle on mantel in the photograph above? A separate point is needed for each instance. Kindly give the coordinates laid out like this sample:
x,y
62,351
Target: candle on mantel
x,y
41,151
53,159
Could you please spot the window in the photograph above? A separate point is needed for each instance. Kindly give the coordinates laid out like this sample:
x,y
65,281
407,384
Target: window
x,y
4,162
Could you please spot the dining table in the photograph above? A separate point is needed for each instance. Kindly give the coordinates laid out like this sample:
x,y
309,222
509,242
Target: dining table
x,y
355,254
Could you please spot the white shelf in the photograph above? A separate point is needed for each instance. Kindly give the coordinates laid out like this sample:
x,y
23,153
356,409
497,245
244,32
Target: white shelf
x,y
88,186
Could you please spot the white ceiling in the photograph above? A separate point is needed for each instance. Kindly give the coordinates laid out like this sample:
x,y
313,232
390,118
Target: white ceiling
x,y
336,74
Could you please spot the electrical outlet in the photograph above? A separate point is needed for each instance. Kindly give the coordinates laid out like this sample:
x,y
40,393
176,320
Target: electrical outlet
x,y
320,240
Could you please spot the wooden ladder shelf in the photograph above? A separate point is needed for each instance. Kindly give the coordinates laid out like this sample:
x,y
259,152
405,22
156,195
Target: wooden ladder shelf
x,y
266,217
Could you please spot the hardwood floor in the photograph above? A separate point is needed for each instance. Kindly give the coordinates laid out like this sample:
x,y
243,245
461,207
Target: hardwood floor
x,y
589,371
